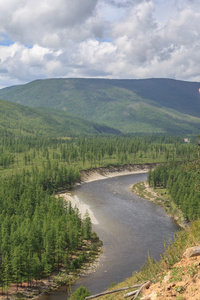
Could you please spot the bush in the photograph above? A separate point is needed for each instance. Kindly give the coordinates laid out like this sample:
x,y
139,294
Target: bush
x,y
80,294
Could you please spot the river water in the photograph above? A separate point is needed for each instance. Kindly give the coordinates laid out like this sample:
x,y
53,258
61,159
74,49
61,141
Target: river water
x,y
129,226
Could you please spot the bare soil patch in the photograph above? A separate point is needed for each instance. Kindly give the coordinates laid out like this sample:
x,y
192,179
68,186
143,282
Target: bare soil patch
x,y
182,282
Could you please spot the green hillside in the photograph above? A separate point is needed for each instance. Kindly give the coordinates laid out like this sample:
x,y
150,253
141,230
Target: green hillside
x,y
18,119
132,106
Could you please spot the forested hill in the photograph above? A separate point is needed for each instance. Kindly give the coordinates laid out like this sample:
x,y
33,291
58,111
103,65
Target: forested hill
x,y
132,106
18,119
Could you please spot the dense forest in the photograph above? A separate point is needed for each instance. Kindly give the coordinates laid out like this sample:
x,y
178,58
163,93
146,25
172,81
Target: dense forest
x,y
38,231
183,184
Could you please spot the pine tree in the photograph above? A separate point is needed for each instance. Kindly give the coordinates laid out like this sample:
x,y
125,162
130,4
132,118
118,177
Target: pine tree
x,y
6,272
149,178
36,267
17,264
87,226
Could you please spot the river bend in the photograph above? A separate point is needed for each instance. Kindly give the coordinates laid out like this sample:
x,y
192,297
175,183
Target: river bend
x,y
129,226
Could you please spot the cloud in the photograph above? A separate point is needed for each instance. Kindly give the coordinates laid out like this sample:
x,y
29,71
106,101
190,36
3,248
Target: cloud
x,y
152,49
121,3
99,38
125,3
136,34
31,21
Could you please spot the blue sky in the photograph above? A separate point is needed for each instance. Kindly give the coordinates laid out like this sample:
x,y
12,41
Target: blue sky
x,y
5,40
99,38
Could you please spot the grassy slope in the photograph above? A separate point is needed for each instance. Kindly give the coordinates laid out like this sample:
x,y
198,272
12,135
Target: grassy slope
x,y
150,105
19,119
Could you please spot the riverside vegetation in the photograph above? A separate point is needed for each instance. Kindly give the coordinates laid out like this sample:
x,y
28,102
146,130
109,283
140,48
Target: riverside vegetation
x,y
39,232
175,186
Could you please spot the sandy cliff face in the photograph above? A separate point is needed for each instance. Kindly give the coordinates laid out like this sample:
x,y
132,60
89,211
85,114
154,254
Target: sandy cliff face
x,y
103,173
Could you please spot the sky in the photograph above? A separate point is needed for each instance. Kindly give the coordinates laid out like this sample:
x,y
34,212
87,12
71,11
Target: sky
x,y
121,39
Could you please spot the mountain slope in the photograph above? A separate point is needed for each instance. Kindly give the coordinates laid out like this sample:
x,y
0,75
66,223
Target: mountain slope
x,y
145,106
19,119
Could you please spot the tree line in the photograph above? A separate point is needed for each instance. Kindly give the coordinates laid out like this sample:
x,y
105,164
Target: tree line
x,y
89,152
183,184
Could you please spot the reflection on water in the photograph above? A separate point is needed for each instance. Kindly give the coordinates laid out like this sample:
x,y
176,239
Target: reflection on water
x,y
129,226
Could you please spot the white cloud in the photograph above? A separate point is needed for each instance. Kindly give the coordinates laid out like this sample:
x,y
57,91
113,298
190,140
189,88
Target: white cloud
x,y
30,21
99,38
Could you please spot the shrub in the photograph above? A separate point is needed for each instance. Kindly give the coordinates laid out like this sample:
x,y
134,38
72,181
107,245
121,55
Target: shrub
x,y
80,294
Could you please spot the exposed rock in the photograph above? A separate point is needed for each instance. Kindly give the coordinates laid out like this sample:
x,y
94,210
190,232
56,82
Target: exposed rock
x,y
152,296
166,278
191,252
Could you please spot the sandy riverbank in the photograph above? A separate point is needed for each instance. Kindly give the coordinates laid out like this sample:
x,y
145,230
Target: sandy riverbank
x,y
100,174
82,207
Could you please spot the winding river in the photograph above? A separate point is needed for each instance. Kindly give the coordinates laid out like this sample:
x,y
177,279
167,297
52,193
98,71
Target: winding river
x,y
129,226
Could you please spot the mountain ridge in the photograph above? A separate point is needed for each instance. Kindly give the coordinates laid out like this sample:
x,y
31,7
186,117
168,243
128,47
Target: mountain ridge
x,y
130,105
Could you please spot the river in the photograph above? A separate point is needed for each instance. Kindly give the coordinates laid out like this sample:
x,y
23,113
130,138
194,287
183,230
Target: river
x,y
129,226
